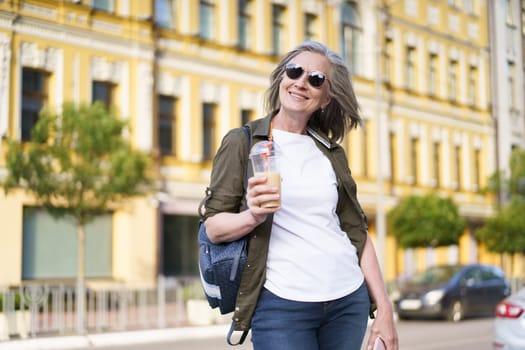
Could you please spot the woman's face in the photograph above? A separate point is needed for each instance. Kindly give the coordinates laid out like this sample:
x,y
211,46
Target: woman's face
x,y
298,96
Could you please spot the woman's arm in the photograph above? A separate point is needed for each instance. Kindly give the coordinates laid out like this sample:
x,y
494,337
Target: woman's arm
x,y
383,325
227,227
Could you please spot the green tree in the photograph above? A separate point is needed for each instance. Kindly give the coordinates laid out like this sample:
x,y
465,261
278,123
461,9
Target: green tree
x,y
78,164
505,231
425,221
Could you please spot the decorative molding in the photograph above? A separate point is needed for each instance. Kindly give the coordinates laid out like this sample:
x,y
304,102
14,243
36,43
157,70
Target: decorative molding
x,y
411,39
210,92
473,60
103,70
32,56
169,85
248,99
93,41
433,47
453,54
313,7
106,26
39,10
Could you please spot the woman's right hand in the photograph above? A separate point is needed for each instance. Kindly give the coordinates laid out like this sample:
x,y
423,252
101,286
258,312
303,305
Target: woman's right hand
x,y
258,193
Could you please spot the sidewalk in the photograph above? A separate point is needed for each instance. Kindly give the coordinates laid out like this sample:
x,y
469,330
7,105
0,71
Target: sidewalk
x,y
116,338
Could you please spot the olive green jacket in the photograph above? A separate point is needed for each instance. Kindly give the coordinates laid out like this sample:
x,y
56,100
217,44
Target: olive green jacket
x,y
227,195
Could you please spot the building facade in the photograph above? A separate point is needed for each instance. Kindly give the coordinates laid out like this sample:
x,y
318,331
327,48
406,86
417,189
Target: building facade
x,y
184,72
506,35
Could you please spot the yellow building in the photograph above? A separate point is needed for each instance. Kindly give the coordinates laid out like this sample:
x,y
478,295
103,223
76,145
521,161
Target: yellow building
x,y
184,72
434,100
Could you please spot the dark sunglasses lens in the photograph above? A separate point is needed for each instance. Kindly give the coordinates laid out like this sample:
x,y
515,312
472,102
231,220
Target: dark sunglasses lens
x,y
316,79
294,72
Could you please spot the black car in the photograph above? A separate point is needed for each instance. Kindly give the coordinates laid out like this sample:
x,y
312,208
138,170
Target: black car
x,y
452,292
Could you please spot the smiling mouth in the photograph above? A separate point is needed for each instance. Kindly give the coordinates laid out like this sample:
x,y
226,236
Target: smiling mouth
x,y
294,94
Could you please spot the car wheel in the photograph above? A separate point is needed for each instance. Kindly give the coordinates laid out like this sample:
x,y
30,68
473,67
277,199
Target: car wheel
x,y
455,312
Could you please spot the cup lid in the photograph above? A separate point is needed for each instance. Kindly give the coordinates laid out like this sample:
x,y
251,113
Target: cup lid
x,y
264,149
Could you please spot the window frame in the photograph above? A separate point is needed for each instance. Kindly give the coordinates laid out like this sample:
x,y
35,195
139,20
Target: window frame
x,y
26,95
167,125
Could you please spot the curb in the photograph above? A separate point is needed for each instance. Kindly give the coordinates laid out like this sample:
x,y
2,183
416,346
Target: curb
x,y
116,338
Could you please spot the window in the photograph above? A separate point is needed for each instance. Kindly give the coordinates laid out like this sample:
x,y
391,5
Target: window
x,y
246,116
509,13
387,67
102,91
351,34
471,6
523,17
410,68
433,74
452,80
165,13
393,157
34,98
49,247
455,3
103,5
207,19
167,122
511,85
180,257
245,23
472,84
457,164
208,130
414,156
310,21
278,40
477,168
437,161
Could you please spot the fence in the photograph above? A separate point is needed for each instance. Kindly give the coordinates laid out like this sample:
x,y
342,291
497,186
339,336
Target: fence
x,y
39,309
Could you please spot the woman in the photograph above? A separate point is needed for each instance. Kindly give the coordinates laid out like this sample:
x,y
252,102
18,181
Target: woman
x,y
311,269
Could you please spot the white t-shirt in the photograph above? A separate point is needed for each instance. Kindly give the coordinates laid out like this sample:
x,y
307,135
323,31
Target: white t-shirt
x,y
310,258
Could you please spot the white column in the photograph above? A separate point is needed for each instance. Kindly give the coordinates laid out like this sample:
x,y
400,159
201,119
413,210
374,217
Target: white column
x,y
143,118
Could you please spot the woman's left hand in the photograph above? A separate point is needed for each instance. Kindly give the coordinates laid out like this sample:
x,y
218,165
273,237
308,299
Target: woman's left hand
x,y
383,326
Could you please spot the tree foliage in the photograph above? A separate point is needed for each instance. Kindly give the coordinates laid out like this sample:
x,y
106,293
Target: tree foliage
x,y
78,163
505,232
424,221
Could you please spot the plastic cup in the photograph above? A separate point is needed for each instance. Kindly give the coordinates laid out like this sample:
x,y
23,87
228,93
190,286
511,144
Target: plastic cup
x,y
264,157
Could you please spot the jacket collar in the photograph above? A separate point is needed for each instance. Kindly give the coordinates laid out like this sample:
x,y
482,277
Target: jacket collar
x,y
262,130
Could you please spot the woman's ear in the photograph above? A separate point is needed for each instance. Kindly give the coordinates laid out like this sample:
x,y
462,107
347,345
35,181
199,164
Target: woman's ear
x,y
326,102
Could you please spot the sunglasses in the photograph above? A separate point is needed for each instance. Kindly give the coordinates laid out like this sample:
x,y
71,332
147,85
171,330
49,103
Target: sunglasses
x,y
315,78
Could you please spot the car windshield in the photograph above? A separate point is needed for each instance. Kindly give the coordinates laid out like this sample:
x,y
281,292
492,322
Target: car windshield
x,y
434,275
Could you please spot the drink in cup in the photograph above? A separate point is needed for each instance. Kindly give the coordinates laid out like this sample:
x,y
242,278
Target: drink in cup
x,y
265,162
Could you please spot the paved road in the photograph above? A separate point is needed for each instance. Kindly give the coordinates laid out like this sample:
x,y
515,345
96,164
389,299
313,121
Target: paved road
x,y
475,334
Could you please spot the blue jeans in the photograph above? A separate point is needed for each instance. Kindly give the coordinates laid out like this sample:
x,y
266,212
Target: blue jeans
x,y
281,324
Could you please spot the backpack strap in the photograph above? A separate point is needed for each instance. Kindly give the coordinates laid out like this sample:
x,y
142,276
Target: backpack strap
x,y
241,339
244,334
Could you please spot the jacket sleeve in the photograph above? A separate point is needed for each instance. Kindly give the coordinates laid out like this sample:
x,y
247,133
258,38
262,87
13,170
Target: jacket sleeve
x,y
227,183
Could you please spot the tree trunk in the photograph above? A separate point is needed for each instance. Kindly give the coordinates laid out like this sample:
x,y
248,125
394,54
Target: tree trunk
x,y
80,293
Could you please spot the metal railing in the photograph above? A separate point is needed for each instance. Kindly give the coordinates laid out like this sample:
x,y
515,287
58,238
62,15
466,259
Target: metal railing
x,y
40,309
